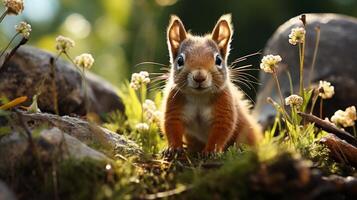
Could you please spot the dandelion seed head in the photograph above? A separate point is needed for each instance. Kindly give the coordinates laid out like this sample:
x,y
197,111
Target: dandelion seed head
x,y
297,35
269,63
84,61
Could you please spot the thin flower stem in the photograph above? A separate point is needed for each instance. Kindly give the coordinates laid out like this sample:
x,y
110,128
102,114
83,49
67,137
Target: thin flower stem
x,y
294,114
321,104
71,60
84,82
8,45
280,96
279,89
354,131
142,99
290,82
3,15
302,55
317,42
313,103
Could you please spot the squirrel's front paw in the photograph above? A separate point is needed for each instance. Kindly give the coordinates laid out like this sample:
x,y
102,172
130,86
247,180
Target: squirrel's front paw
x,y
171,152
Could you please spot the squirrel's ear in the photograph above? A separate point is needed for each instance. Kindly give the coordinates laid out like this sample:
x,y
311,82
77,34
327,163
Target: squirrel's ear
x,y
176,33
222,34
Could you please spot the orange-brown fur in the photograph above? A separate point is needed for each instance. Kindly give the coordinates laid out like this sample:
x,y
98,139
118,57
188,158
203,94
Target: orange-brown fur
x,y
202,107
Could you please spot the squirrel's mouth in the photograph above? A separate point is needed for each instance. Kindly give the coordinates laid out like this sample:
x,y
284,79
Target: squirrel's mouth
x,y
201,88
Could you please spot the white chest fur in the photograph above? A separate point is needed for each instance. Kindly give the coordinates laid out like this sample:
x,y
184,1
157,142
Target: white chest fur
x,y
198,117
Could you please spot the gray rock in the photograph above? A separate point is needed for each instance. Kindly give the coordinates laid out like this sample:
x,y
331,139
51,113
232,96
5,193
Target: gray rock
x,y
336,61
5,192
84,131
69,144
23,74
49,143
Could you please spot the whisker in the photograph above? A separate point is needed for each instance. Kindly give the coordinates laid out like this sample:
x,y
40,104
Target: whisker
x,y
178,89
156,87
240,67
157,73
242,82
155,81
240,59
165,68
246,79
150,63
245,74
244,70
156,84
248,96
246,93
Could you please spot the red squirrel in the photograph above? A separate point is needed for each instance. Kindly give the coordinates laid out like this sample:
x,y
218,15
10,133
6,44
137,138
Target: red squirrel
x,y
202,108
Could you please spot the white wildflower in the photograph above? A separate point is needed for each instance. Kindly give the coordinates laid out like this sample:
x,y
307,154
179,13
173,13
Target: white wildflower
x,y
269,63
84,60
149,105
152,114
294,100
351,113
139,79
14,6
326,90
63,44
297,35
345,118
142,127
24,29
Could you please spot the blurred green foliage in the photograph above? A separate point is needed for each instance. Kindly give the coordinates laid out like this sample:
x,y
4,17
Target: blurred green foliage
x,y
123,33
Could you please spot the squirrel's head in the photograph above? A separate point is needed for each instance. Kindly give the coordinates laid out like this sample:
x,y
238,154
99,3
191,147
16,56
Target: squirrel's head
x,y
199,63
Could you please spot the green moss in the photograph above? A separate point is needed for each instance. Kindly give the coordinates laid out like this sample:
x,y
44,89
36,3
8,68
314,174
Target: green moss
x,y
228,182
80,179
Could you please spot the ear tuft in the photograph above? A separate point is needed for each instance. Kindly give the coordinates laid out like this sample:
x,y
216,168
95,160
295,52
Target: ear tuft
x,y
222,33
176,33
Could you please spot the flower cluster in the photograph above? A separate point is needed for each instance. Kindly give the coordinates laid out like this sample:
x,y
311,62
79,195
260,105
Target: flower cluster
x,y
84,61
326,90
152,114
139,79
269,63
294,100
24,29
142,127
345,118
14,6
63,44
297,35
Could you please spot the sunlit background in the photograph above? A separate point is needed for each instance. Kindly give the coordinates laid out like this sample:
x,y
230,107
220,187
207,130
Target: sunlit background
x,y
123,33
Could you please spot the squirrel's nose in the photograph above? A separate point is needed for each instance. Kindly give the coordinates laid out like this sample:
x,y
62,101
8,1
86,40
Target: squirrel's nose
x,y
199,78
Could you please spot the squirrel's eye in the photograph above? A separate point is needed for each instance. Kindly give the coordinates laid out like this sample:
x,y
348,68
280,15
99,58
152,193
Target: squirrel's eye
x,y
180,60
218,60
